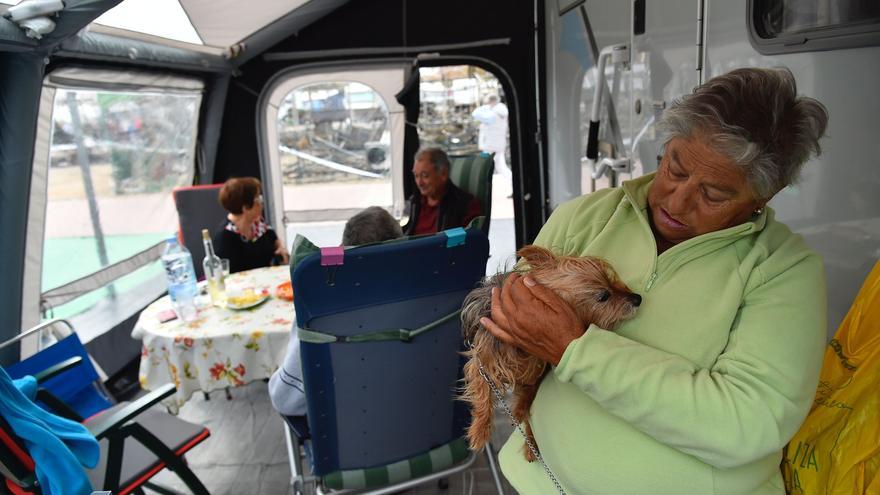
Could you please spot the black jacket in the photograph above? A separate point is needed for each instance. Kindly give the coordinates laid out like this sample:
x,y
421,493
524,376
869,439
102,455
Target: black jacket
x,y
453,209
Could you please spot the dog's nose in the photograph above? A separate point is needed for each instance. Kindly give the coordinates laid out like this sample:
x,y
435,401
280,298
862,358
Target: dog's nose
x,y
635,299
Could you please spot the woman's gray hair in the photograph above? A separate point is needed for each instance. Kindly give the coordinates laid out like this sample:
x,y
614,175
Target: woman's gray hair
x,y
755,118
373,224
436,156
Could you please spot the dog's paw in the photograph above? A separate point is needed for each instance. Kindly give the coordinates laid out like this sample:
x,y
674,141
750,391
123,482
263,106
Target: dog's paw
x,y
478,437
528,454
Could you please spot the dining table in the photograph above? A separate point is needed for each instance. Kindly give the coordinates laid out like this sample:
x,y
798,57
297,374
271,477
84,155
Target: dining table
x,y
223,347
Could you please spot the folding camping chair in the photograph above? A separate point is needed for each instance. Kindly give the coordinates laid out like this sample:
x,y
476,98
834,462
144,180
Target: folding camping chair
x,y
380,345
473,173
198,207
79,388
137,440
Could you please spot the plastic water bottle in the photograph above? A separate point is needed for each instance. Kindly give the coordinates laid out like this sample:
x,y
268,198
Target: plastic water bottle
x,y
181,278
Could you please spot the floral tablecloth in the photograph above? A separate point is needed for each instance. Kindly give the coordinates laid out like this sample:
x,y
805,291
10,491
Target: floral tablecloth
x,y
223,347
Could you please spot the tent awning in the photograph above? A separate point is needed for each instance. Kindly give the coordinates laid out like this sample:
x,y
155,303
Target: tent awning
x,y
206,26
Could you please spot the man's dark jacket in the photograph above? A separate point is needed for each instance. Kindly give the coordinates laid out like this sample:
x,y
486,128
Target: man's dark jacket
x,y
453,208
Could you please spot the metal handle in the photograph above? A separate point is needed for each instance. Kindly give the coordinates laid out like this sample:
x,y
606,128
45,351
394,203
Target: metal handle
x,y
619,54
38,328
618,165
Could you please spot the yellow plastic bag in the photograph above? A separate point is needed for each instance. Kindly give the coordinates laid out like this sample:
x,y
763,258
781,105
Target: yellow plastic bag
x,y
837,450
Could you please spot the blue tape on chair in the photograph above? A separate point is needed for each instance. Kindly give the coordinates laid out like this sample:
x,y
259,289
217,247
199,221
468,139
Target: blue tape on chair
x,y
455,237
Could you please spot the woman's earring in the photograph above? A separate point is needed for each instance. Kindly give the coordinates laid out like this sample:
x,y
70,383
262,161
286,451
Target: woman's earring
x,y
758,211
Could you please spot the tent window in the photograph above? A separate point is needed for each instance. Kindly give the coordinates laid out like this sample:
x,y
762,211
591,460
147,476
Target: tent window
x,y
334,142
114,159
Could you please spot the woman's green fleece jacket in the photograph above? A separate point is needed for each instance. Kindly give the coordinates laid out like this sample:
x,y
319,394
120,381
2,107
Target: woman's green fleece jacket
x,y
700,391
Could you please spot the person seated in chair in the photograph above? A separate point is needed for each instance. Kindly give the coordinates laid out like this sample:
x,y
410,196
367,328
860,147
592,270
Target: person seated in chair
x,y
246,240
437,204
371,225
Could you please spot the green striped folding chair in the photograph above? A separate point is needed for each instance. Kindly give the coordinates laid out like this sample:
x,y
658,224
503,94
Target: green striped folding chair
x,y
473,173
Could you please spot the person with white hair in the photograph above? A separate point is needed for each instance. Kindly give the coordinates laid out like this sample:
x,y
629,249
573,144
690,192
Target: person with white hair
x,y
703,388
492,117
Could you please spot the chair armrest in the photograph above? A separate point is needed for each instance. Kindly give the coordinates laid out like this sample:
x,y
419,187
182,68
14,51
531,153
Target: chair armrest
x,y
58,368
57,405
103,426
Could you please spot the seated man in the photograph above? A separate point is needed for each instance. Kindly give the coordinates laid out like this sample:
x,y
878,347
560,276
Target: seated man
x,y
437,204
373,224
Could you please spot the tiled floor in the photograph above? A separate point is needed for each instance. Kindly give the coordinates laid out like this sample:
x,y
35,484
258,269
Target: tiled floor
x,y
246,453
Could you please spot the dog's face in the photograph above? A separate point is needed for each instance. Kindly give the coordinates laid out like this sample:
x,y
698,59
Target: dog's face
x,y
587,284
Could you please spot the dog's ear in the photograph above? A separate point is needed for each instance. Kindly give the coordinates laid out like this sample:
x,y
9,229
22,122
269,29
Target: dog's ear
x,y
537,257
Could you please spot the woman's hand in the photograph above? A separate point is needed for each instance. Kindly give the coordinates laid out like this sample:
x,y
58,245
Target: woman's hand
x,y
280,250
532,317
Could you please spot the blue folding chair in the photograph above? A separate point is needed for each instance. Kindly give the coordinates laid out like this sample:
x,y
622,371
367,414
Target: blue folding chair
x,y
380,340
79,387
137,440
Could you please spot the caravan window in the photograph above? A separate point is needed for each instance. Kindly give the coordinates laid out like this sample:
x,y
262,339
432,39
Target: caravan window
x,y
113,158
779,26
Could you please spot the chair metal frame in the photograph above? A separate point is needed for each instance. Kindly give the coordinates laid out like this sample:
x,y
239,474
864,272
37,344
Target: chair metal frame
x,y
304,483
115,427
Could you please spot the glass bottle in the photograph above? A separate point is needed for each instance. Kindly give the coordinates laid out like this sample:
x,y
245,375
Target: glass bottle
x,y
213,272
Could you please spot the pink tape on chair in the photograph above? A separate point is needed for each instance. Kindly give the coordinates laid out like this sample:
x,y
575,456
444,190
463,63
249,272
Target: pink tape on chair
x,y
331,256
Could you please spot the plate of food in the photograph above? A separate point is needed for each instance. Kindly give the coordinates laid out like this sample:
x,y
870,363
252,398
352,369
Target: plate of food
x,y
246,298
284,291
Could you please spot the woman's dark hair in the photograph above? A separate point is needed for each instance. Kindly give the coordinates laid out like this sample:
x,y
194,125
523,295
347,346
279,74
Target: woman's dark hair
x,y
756,118
239,193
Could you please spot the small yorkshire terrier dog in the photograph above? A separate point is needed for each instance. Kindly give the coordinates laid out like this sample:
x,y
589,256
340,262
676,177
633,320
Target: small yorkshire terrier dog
x,y
589,285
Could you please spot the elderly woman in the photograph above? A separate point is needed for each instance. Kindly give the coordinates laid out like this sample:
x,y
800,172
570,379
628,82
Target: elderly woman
x,y
701,390
246,240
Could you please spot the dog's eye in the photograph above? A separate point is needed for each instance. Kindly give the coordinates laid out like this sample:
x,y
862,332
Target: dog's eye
x,y
603,296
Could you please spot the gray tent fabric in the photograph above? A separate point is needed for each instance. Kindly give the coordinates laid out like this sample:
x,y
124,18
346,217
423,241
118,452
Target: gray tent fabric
x,y
210,120
21,76
12,38
306,14
98,46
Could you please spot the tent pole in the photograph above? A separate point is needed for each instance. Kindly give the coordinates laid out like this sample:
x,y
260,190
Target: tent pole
x,y
82,157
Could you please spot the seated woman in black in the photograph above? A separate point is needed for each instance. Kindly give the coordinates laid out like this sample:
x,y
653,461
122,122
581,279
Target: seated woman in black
x,y
246,240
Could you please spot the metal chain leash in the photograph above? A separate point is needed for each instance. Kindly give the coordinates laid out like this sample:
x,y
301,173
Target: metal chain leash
x,y
514,423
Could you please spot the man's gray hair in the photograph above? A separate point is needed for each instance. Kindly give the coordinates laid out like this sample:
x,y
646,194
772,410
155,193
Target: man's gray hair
x,y
436,156
373,224
755,118
491,98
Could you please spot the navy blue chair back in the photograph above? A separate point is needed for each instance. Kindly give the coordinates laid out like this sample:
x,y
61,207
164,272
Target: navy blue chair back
x,y
377,402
